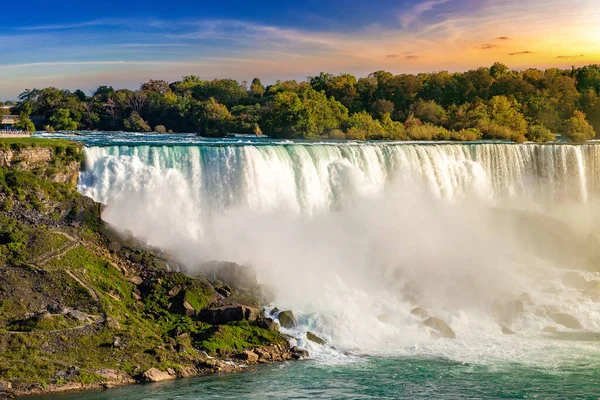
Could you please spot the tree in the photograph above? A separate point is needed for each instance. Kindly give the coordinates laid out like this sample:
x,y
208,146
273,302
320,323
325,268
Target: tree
x,y
135,123
214,119
578,129
429,111
382,107
498,69
61,120
257,90
25,123
539,133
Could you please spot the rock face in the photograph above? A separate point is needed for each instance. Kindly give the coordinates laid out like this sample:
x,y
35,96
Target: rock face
x,y
156,375
232,274
566,320
440,327
287,319
225,314
420,312
314,338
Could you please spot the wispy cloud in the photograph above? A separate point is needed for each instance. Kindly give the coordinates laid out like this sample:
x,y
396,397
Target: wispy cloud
x,y
86,24
518,53
154,45
573,56
407,18
487,46
503,38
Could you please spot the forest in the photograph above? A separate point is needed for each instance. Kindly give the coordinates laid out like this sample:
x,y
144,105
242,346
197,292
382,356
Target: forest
x,y
484,103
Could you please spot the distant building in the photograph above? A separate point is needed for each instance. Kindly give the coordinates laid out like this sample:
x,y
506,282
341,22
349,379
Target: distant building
x,y
9,120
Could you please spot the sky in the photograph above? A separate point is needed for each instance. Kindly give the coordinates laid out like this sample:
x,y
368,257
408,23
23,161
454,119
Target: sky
x,y
77,44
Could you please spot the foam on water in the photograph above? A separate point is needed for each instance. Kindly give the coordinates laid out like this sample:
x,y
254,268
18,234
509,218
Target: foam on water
x,y
354,236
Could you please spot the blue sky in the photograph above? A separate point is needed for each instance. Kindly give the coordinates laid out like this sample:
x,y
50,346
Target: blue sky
x,y
85,44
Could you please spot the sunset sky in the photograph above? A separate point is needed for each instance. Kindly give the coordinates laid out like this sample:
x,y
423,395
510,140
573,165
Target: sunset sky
x,y
123,43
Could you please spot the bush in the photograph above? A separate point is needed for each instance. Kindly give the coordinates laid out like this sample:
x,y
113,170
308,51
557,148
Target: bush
x,y
427,132
160,129
336,134
578,129
539,133
49,129
492,130
466,135
356,134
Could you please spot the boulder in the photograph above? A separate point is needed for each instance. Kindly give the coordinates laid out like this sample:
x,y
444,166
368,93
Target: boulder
x,y
5,386
225,314
274,311
507,311
287,319
109,374
566,320
386,318
248,356
156,375
507,331
314,338
189,309
269,323
298,354
440,327
420,312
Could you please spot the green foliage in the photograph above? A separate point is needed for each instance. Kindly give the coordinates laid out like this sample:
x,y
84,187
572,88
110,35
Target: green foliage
x,y
498,102
136,123
578,129
233,337
62,121
539,133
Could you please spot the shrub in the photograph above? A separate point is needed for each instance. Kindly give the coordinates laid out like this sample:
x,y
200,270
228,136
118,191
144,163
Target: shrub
x,y
427,132
539,133
578,129
336,134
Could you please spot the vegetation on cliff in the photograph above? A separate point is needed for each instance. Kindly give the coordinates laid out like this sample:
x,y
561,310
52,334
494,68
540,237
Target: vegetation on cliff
x,y
489,103
81,305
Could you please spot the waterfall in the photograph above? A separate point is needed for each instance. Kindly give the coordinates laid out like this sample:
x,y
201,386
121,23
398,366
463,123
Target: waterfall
x,y
346,233
315,178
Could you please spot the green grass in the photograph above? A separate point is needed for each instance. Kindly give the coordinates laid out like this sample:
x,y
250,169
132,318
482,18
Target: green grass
x,y
234,337
34,142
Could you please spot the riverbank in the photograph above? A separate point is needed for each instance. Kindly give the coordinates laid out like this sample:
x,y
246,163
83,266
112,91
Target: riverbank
x,y
84,307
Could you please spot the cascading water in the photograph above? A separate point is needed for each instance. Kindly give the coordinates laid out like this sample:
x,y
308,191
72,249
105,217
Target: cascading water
x,y
353,236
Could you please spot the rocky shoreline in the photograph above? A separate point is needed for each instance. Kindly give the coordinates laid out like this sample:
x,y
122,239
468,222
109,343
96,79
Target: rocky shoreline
x,y
242,362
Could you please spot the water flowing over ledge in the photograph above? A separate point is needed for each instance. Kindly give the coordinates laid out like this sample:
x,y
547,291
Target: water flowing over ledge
x,y
354,236
313,178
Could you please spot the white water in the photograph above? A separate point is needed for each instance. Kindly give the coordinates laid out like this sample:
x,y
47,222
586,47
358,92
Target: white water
x,y
348,233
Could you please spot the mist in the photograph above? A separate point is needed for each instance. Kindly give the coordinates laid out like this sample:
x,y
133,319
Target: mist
x,y
353,238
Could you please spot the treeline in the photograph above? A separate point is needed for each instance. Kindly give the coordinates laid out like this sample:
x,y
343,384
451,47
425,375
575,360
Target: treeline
x,y
485,103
